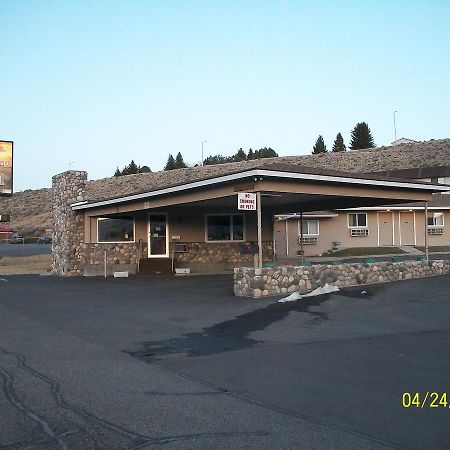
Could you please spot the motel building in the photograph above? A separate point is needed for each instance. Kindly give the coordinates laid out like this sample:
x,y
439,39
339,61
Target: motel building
x,y
322,232
191,220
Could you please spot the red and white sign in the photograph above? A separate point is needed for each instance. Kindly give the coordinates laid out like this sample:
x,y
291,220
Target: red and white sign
x,y
247,201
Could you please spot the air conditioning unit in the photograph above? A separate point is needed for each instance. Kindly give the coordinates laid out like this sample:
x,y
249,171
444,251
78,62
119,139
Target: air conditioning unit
x,y
435,231
359,232
180,248
307,240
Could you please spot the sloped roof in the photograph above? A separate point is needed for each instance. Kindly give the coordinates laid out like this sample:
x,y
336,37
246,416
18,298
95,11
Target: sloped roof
x,y
404,156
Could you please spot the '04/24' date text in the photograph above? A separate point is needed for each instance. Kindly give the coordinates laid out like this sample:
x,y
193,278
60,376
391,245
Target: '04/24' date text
x,y
425,400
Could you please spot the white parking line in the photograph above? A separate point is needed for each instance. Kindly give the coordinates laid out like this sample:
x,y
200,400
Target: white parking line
x,y
3,279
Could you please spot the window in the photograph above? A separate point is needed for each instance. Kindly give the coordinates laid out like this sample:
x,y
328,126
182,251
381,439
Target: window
x,y
115,230
436,220
224,227
310,227
357,220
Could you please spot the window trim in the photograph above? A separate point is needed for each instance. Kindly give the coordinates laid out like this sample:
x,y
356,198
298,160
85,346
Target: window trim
x,y
309,234
117,242
357,226
433,216
230,215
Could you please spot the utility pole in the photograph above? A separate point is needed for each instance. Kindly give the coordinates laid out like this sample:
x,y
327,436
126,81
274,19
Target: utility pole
x,y
395,127
203,142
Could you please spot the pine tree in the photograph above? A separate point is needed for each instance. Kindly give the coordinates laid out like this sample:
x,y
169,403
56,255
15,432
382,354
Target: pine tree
x,y
170,165
179,161
319,146
339,145
250,154
216,159
240,156
361,137
132,168
265,152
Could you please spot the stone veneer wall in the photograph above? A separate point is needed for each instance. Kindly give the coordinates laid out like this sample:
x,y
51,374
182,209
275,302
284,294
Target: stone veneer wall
x,y
71,256
218,253
68,225
119,257
122,253
282,280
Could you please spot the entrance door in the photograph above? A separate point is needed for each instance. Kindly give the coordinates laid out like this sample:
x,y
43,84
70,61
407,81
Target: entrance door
x,y
385,221
158,244
281,245
406,228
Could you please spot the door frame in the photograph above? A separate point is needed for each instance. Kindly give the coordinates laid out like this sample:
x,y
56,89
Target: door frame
x,y
149,237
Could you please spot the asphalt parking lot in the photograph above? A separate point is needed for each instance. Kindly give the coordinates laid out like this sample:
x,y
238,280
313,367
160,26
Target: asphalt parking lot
x,y
182,363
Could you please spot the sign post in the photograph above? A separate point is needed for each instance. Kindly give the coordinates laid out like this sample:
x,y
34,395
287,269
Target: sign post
x,y
259,230
250,201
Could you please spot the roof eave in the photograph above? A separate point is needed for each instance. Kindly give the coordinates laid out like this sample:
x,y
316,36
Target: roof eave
x,y
264,173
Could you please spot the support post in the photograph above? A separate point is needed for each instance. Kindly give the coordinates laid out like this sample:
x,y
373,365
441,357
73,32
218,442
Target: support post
x,y
258,213
378,229
302,256
426,230
286,232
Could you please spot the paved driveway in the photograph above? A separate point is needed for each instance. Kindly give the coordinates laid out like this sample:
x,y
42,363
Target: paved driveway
x,y
182,363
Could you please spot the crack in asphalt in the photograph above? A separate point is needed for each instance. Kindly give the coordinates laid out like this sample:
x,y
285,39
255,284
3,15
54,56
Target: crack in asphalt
x,y
30,443
10,394
138,440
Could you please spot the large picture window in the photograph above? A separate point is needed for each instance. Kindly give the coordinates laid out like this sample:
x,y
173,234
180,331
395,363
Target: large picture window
x,y
115,230
357,220
309,227
224,227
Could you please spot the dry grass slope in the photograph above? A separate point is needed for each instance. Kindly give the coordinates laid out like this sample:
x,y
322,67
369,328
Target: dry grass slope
x,y
31,210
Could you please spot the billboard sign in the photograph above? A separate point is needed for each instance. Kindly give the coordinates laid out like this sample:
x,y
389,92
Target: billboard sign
x,y
6,168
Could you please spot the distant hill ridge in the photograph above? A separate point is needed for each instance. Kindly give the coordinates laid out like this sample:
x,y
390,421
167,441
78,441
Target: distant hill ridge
x,y
31,209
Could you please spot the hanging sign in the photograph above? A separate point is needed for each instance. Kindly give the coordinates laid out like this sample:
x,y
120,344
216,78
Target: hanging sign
x,y
247,201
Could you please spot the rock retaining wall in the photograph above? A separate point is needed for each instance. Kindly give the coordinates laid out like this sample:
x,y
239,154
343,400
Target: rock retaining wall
x,y
217,253
256,283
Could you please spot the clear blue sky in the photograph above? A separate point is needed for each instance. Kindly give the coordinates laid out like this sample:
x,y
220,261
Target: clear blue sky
x,y
97,83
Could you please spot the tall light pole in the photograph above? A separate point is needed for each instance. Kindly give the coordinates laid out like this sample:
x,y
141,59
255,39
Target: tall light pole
x,y
395,127
203,142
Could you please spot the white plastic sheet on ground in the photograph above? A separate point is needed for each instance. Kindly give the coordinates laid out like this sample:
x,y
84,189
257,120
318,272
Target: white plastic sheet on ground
x,y
327,289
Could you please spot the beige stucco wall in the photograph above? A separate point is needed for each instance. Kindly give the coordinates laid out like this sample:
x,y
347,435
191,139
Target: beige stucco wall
x,y
336,229
190,225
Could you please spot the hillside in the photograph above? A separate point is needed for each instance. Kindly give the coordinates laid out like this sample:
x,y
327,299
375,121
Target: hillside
x,y
31,209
